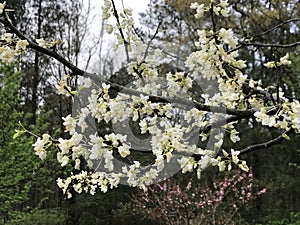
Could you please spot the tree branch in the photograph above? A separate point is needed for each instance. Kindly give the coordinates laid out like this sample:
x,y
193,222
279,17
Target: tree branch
x,y
120,30
268,45
33,45
211,10
76,71
263,45
277,26
154,35
266,144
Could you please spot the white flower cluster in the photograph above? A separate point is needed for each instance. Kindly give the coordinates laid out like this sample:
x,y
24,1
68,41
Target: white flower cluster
x,y
136,178
178,82
189,164
227,159
220,8
64,87
11,47
282,61
208,61
47,44
2,6
286,117
106,9
295,116
230,92
41,145
88,182
165,143
141,70
124,23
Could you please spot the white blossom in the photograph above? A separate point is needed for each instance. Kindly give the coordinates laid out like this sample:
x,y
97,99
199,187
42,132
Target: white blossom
x,y
21,45
69,124
41,42
124,150
7,55
2,6
234,156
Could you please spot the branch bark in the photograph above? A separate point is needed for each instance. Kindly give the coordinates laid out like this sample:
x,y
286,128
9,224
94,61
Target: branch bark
x,y
76,71
268,45
121,31
266,144
277,26
33,45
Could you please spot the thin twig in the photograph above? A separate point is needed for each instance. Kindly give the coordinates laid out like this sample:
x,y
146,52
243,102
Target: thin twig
x,y
211,10
33,45
266,144
263,45
275,27
148,45
120,30
268,45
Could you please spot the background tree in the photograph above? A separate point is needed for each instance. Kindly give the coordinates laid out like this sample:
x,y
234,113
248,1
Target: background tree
x,y
26,183
37,96
54,21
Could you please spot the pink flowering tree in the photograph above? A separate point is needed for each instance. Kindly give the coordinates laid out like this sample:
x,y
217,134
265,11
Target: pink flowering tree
x,y
217,202
177,127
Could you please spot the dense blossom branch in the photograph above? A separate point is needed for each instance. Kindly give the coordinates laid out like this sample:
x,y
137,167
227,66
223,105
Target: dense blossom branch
x,y
161,108
77,71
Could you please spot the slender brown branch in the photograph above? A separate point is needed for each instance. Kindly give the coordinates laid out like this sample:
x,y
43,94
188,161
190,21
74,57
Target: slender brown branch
x,y
277,26
33,45
268,45
244,151
263,45
266,144
218,109
220,123
211,10
154,35
120,30
75,70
